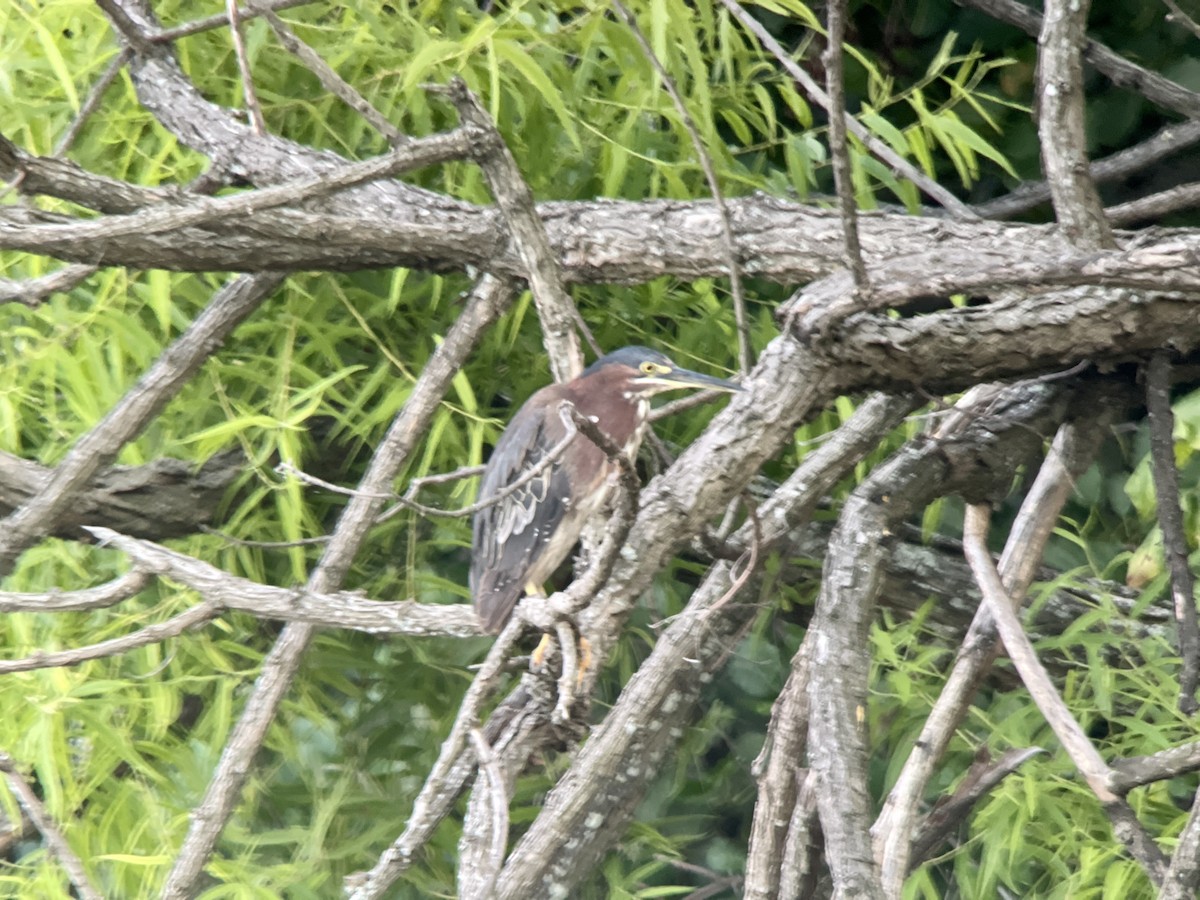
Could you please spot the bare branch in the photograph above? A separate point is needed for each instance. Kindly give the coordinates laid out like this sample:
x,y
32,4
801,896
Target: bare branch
x,y
1139,770
220,20
1169,140
332,609
205,210
1155,206
208,819
53,836
498,800
839,150
778,771
162,499
1178,15
1170,519
34,291
555,307
253,110
1035,678
95,95
1061,129
952,810
99,597
151,634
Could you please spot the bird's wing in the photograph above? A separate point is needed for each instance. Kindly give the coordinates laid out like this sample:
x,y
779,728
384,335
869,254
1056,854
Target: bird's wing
x,y
512,534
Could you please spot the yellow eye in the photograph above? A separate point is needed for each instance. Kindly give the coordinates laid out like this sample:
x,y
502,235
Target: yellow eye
x,y
649,368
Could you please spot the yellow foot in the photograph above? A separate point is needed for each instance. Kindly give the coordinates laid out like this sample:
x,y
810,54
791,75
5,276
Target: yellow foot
x,y
585,659
539,653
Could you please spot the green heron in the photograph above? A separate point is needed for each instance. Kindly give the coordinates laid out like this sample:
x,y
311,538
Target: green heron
x,y
525,535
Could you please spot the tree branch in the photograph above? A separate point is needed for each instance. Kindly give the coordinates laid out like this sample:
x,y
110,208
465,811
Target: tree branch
x,y
208,819
40,515
1061,130
50,832
1085,757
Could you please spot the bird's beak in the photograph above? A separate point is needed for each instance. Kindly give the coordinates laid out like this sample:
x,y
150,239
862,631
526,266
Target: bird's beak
x,y
685,378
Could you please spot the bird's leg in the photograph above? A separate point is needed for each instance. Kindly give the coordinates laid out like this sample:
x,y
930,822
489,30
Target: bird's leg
x,y
540,651
543,647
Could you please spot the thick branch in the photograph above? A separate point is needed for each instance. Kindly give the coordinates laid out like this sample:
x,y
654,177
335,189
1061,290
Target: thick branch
x,y
162,499
1061,130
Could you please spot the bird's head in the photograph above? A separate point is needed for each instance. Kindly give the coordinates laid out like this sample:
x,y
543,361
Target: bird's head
x,y
647,372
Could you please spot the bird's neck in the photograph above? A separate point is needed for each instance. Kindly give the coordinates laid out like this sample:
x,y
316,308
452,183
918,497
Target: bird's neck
x,y
620,415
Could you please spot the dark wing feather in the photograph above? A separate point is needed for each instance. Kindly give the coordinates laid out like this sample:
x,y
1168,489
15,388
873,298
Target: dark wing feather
x,y
511,535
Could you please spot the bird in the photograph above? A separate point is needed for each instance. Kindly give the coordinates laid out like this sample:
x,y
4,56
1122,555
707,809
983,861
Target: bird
x,y
521,535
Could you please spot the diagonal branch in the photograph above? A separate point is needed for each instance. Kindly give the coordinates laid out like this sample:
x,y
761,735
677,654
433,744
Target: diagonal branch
x,y
1041,688
897,163
556,309
839,150
487,301
39,516
50,831
895,828
1170,520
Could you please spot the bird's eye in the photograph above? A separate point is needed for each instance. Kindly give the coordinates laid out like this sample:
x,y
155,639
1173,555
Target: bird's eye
x,y
649,368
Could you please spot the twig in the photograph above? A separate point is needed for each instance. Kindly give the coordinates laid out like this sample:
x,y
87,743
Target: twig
x,y
1061,130
1170,519
151,634
570,674
330,80
1169,140
498,798
748,563
204,210
838,148
99,597
896,162
1041,688
489,297
34,291
50,831
1178,15
253,110
1155,206
220,20
36,518
93,100
555,308
745,355
950,811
